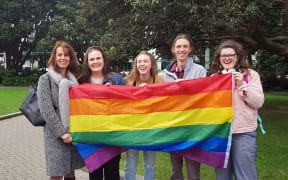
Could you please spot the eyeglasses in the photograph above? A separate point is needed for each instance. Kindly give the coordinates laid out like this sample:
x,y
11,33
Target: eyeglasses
x,y
228,56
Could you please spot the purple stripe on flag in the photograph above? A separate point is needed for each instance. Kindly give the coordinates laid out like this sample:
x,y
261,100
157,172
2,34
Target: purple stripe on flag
x,y
101,156
214,159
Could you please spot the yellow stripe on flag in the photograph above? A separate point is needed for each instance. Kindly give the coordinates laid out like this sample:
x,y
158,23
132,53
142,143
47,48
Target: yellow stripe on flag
x,y
127,122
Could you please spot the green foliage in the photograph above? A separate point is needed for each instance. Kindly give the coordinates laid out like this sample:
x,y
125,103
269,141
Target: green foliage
x,y
7,73
34,72
2,73
253,23
133,25
20,81
71,25
26,78
269,63
22,25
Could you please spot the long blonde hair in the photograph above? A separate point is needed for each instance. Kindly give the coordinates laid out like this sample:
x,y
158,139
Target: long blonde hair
x,y
135,75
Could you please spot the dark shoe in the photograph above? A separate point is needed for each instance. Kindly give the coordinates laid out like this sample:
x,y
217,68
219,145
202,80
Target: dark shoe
x,y
69,178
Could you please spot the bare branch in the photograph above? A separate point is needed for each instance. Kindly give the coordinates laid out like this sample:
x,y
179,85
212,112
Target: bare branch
x,y
278,38
286,8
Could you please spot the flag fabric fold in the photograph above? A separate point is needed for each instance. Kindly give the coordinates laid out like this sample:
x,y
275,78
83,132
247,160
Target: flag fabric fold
x,y
190,118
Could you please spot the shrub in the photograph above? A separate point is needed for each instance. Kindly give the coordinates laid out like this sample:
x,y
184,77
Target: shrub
x,y
34,72
6,73
2,71
283,81
14,81
25,78
20,81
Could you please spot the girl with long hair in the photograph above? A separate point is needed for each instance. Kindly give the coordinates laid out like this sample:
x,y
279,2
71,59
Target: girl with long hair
x,y
95,70
144,72
248,96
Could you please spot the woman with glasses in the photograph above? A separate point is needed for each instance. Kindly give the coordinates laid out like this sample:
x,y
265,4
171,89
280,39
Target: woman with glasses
x,y
248,96
95,70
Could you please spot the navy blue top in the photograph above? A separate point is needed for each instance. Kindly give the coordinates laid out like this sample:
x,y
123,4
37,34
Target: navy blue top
x,y
116,79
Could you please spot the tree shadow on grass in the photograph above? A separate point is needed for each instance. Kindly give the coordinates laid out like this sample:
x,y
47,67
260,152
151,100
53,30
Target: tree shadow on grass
x,y
274,109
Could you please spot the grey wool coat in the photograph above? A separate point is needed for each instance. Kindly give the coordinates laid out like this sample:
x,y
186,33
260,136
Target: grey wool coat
x,y
61,158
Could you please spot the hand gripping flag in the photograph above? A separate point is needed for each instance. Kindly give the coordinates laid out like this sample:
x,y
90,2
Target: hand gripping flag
x,y
190,118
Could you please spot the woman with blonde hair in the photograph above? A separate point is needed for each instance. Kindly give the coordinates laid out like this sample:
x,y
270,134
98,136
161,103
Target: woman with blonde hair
x,y
144,72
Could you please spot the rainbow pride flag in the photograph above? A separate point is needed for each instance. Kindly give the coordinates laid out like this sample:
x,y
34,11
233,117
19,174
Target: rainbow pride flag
x,y
190,118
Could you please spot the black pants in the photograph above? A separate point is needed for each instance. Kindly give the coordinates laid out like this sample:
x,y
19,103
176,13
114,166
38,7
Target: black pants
x,y
111,170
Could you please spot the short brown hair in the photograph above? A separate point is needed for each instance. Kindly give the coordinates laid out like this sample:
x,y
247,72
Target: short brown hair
x,y
183,36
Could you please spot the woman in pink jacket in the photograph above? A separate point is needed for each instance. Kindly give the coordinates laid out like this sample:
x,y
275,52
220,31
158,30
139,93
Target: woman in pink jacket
x,y
248,96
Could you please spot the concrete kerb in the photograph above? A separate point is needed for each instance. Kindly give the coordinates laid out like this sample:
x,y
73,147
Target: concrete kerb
x,y
7,116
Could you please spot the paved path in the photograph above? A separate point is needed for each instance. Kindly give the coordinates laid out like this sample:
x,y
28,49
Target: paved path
x,y
22,152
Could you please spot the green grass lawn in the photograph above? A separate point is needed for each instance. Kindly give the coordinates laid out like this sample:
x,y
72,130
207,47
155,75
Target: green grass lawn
x,y
11,99
272,154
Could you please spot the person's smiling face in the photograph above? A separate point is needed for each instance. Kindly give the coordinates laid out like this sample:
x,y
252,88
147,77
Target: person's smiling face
x,y
143,64
62,58
182,49
95,61
228,58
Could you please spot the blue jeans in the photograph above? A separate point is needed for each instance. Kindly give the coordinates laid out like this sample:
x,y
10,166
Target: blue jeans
x,y
131,164
241,162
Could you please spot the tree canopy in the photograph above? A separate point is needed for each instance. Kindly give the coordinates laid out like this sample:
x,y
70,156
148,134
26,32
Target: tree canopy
x,y
125,27
22,25
257,24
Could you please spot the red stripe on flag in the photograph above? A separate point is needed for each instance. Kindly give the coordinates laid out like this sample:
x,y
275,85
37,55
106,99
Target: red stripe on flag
x,y
195,86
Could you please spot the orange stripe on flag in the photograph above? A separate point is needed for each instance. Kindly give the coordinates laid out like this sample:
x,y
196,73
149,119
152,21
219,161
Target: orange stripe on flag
x,y
150,105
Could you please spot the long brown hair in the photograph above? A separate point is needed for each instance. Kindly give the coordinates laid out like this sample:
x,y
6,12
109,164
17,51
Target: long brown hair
x,y
241,65
73,65
135,75
86,72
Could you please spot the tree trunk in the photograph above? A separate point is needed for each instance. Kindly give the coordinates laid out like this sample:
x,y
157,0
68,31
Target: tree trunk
x,y
249,59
